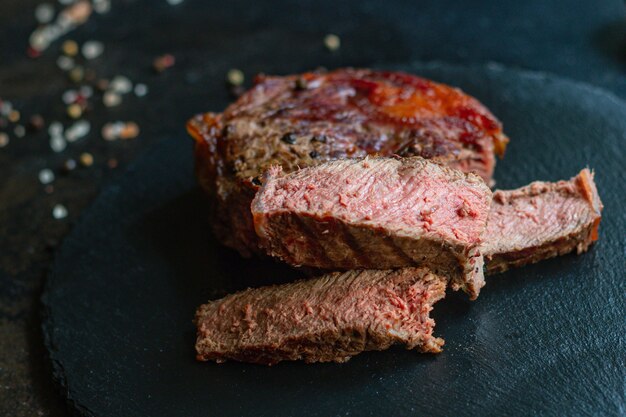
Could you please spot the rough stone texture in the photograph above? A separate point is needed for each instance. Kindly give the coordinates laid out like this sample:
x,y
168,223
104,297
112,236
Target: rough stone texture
x,y
126,314
580,40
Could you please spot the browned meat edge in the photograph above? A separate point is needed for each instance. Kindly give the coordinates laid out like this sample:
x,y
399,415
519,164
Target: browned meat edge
x,y
540,221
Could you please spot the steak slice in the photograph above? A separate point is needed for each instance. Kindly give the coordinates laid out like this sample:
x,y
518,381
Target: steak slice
x,y
540,221
329,318
303,120
376,213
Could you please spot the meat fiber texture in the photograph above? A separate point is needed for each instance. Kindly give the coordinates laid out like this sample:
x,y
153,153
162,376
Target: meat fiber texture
x,y
303,120
376,213
540,221
326,319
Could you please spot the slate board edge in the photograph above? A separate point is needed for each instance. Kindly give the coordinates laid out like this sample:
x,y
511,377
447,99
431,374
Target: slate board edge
x,y
47,321
47,325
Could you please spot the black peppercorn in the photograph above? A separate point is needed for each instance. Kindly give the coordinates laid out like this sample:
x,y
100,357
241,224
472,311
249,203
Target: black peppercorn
x,y
68,166
227,130
313,154
301,84
289,138
319,138
256,181
36,123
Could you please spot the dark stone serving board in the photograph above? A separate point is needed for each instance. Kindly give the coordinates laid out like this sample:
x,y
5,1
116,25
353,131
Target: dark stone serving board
x,y
548,339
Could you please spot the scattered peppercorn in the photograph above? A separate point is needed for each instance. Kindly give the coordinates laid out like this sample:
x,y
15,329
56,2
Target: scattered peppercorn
x,y
332,42
5,107
69,48
235,77
36,123
19,131
77,131
55,129
77,74
319,138
86,91
289,138
256,181
65,63
77,13
141,90
68,166
102,84
59,212
58,143
121,84
4,139
14,116
130,130
44,13
69,96
111,99
314,154
163,62
32,52
92,49
46,176
86,159
101,6
74,111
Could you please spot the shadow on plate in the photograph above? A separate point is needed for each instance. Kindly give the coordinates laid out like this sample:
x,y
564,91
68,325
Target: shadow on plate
x,y
611,41
180,235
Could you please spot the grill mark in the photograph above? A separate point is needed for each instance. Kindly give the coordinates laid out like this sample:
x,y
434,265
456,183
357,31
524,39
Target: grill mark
x,y
355,247
397,249
319,249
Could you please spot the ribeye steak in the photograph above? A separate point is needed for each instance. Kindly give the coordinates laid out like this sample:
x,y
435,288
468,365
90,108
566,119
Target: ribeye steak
x,y
303,120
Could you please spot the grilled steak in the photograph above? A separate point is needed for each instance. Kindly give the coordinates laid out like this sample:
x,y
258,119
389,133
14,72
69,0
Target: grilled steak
x,y
389,213
540,221
303,120
376,213
330,318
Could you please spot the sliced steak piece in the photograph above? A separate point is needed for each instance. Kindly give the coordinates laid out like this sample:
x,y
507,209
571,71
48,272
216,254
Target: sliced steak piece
x,y
376,213
540,221
329,318
303,120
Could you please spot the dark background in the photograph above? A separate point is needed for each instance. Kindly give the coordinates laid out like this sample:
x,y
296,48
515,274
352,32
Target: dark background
x,y
582,40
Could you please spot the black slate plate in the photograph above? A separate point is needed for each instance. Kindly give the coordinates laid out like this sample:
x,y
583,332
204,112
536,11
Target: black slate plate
x,y
548,339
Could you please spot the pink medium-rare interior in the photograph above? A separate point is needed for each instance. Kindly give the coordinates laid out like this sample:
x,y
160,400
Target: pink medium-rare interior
x,y
540,213
355,304
397,195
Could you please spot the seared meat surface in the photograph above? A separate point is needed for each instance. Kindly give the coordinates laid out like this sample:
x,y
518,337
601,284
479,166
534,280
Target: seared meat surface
x,y
376,213
389,213
330,318
304,120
